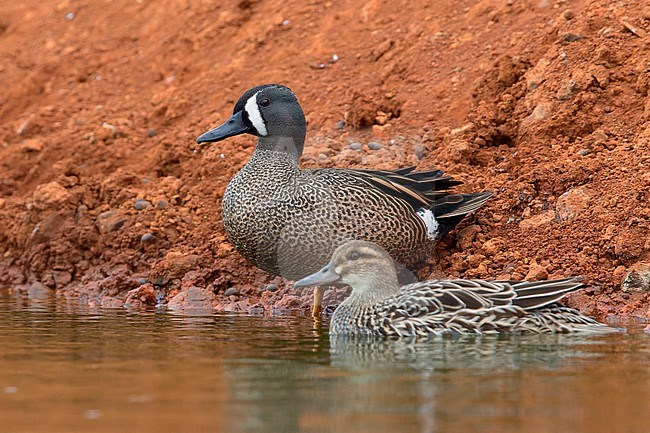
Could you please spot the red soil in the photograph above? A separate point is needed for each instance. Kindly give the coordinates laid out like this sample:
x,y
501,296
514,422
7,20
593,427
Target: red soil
x,y
545,103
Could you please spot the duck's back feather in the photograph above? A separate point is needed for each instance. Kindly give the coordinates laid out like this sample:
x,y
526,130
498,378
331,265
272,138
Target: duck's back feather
x,y
475,306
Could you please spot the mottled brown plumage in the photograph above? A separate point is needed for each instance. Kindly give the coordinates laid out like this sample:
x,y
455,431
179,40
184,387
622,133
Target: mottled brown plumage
x,y
288,220
379,306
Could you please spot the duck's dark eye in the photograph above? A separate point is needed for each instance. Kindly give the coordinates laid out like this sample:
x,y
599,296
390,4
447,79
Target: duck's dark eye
x,y
264,102
354,256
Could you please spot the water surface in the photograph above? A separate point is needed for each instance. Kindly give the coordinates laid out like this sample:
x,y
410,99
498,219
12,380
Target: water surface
x,y
65,369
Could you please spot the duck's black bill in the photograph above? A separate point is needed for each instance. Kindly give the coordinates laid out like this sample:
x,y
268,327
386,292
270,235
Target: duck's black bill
x,y
233,126
327,275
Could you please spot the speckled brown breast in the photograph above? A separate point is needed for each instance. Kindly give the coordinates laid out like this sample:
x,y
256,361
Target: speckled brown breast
x,y
288,221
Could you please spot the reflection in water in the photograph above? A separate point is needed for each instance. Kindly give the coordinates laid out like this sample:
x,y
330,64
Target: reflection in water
x,y
518,383
462,384
67,369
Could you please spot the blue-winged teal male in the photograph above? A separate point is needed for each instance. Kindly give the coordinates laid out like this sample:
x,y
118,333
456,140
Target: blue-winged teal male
x,y
379,306
288,221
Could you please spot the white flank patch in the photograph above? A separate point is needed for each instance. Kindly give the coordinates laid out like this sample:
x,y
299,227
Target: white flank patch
x,y
430,222
254,115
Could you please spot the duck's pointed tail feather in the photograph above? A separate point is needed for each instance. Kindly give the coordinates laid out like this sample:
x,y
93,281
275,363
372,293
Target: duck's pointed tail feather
x,y
537,294
451,209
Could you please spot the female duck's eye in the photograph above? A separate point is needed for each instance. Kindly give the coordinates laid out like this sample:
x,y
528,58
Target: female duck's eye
x,y
354,256
264,102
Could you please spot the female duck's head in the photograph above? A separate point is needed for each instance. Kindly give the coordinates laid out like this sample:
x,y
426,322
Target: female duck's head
x,y
364,266
270,112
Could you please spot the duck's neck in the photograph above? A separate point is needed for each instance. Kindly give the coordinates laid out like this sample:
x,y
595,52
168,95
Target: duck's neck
x,y
373,290
289,145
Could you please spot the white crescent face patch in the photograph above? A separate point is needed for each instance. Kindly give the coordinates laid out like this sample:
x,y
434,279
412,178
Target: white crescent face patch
x,y
255,116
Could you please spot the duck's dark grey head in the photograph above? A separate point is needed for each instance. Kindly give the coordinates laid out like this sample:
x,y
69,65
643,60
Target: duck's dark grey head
x,y
270,112
364,266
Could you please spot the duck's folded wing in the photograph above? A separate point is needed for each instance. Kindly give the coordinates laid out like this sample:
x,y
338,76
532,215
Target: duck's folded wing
x,y
420,189
447,296
426,307
442,306
425,189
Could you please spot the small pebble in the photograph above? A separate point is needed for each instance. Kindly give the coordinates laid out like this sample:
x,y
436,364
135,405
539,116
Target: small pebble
x,y
69,16
419,152
340,125
583,152
82,210
151,132
147,237
232,291
608,32
355,146
571,37
142,204
162,204
142,281
10,390
373,145
272,288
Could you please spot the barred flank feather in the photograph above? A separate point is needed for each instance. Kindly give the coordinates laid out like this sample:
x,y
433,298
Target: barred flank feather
x,y
378,306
